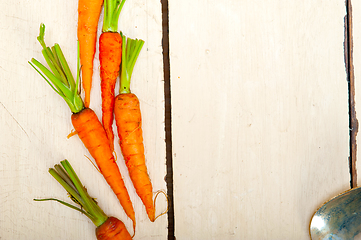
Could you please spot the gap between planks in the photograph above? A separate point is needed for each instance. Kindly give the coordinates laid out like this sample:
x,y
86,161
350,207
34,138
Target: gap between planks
x,y
353,122
168,117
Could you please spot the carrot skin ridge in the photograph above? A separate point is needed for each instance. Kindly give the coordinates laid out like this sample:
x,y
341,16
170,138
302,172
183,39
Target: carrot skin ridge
x,y
110,56
128,120
112,229
88,18
93,136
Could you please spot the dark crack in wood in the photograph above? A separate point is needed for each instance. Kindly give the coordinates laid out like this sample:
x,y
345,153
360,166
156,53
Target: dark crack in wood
x,y
353,122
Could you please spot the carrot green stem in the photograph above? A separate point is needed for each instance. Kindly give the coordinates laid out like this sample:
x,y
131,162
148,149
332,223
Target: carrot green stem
x,y
65,173
60,171
62,202
130,52
112,9
59,77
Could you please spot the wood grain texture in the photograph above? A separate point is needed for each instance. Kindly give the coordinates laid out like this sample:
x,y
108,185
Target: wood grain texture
x,y
35,121
259,116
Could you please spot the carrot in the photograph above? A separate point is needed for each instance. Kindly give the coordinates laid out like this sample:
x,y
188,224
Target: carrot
x,y
107,228
113,228
128,120
88,18
84,120
110,56
92,134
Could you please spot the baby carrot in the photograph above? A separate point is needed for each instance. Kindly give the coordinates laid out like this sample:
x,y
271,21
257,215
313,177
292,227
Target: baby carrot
x,y
88,17
129,126
110,56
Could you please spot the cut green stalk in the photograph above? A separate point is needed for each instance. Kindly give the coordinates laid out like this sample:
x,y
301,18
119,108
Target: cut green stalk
x,y
72,192
89,203
130,52
78,193
64,66
65,176
59,77
112,9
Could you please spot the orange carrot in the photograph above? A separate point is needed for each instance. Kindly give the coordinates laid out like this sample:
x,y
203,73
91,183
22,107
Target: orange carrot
x,y
88,17
112,229
84,120
92,134
108,228
110,51
110,56
129,126
128,121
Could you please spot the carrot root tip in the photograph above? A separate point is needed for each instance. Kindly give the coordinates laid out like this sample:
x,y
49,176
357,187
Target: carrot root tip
x,y
72,133
134,225
93,163
155,198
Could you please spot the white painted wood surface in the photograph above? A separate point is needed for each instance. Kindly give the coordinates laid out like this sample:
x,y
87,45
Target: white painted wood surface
x,y
259,115
35,122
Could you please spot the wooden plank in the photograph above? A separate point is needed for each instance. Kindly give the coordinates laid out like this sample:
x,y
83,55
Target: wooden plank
x,y
35,123
259,116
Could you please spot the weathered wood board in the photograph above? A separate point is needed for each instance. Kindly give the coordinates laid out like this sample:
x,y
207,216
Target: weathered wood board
x,y
259,116
35,122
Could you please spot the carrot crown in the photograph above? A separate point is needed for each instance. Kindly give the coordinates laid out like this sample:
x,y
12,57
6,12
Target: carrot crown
x,y
67,177
59,77
112,9
130,52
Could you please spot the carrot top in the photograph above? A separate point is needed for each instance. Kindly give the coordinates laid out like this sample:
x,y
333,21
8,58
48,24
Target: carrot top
x,y
67,177
130,52
112,9
59,77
